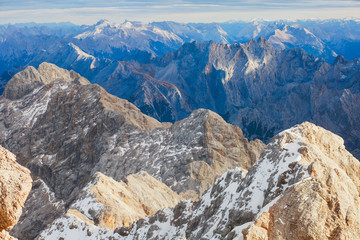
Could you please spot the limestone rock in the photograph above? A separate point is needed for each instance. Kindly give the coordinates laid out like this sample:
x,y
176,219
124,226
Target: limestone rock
x,y
112,204
30,78
106,204
327,205
15,185
5,236
40,209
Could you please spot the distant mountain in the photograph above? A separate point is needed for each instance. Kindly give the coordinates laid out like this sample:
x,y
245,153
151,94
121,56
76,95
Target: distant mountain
x,y
253,85
191,32
343,36
104,38
296,36
21,43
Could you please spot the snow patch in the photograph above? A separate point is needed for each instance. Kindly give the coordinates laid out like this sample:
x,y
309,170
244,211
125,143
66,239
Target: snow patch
x,y
70,227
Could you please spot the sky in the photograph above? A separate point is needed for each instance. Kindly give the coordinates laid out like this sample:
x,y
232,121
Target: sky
x,y
90,11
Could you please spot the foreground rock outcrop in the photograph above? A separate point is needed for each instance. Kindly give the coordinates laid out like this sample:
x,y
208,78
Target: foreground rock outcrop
x,y
15,185
106,204
110,204
65,130
306,185
326,204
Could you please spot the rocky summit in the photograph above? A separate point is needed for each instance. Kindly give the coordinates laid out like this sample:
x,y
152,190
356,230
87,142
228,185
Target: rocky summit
x,y
67,132
306,185
15,185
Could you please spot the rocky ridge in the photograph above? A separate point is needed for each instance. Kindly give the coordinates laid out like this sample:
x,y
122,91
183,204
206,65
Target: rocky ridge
x,y
306,185
15,185
67,130
254,86
110,204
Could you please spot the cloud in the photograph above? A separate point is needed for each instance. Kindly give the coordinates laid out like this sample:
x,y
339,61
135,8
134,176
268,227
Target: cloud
x,y
44,4
175,10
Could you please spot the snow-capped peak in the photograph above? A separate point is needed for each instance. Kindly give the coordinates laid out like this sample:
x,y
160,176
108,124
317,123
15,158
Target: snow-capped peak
x,y
83,55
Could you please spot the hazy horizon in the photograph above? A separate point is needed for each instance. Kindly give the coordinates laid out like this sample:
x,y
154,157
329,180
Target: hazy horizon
x,y
89,12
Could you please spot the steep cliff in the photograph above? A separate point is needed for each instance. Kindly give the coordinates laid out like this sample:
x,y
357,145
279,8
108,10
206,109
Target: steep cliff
x,y
15,185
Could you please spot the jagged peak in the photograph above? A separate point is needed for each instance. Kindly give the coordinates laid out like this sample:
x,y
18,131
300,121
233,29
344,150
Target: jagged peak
x,y
340,60
30,78
259,43
132,24
203,115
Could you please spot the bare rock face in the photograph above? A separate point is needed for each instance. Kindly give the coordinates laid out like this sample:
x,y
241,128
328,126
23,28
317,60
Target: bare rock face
x,y
226,146
15,185
41,208
5,236
66,130
29,79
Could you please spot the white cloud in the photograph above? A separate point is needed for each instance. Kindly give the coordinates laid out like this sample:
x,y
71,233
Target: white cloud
x,y
181,11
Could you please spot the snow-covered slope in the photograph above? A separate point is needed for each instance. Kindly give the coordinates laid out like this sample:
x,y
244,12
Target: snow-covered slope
x,y
341,35
105,36
296,36
196,31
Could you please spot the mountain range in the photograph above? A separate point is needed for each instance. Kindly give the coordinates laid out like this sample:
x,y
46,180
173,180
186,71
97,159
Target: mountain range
x,y
241,82
21,43
165,130
101,169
